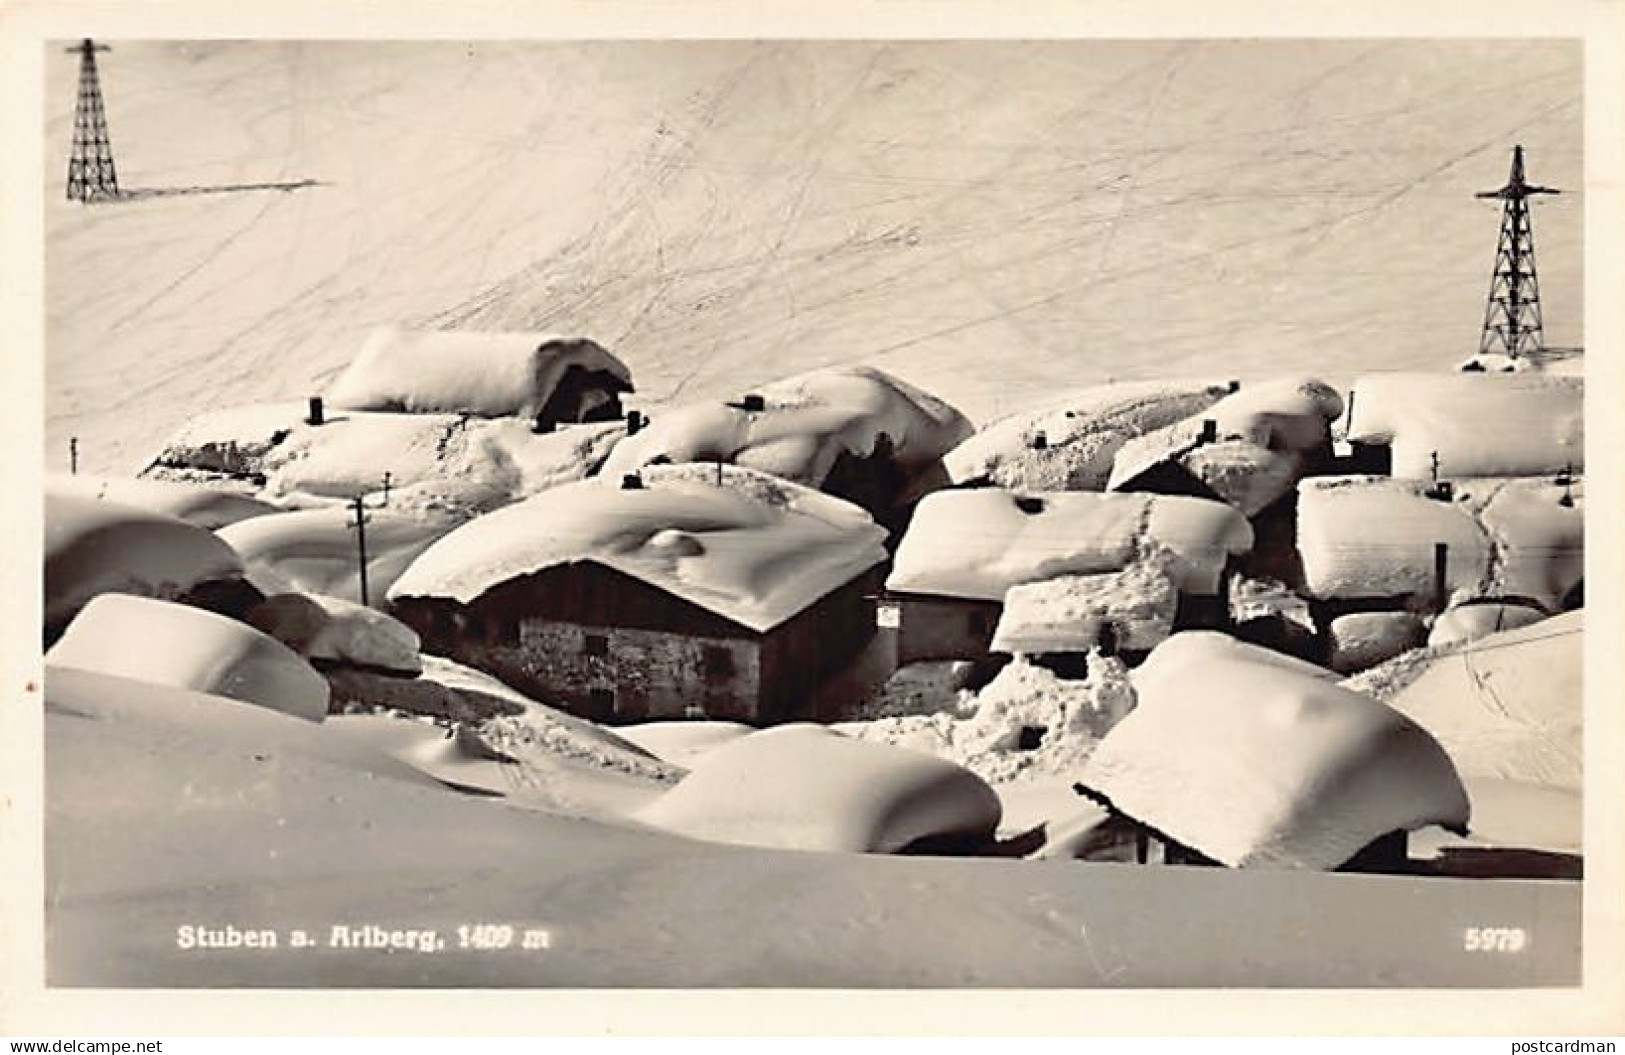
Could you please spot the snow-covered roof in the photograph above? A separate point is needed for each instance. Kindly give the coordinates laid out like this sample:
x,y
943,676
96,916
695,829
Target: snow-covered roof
x,y
977,544
1258,765
163,643
1259,432
1363,536
315,550
1479,424
1069,445
433,460
207,507
1066,613
754,549
460,371
95,546
806,424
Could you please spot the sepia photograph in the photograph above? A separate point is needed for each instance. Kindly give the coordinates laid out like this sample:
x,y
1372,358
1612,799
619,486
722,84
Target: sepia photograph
x,y
793,511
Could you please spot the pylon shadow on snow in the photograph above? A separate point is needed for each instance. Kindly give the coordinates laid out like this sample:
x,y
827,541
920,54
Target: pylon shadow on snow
x,y
140,193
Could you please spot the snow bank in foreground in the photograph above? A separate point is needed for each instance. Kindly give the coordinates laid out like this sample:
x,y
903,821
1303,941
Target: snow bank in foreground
x,y
1507,706
1369,537
95,546
803,787
755,549
338,631
490,374
806,424
314,550
979,543
188,648
1069,446
1068,612
1025,723
539,732
1256,764
1479,424
207,507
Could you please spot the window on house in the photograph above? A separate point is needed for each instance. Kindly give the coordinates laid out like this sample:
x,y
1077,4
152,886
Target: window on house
x,y
693,710
718,662
595,645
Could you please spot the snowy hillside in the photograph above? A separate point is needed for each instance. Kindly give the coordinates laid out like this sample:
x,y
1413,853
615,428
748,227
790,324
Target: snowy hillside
x,y
991,222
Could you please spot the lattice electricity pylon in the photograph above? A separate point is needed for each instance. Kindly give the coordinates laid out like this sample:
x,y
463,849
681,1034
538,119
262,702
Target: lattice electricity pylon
x,y
1512,323
90,165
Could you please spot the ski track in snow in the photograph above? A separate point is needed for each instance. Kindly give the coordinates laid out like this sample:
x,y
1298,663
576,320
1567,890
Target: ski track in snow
x,y
989,230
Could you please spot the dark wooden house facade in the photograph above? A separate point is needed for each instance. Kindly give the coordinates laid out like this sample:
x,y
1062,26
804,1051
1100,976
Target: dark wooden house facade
x,y
613,648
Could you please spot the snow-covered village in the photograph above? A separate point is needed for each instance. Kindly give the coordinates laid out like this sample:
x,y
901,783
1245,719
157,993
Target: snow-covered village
x,y
894,514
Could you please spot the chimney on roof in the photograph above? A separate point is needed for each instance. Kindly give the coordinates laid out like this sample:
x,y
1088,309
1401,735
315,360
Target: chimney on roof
x,y
1235,386
753,401
1210,430
634,422
315,416
631,482
1040,441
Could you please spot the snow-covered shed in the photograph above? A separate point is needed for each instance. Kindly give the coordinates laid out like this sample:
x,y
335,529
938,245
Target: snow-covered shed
x,y
95,546
966,549
854,432
1070,444
670,595
1477,424
1058,621
548,379
1250,759
1366,539
182,647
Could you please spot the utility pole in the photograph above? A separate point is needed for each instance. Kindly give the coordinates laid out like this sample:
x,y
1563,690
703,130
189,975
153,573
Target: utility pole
x,y
360,526
91,175
1512,324
73,455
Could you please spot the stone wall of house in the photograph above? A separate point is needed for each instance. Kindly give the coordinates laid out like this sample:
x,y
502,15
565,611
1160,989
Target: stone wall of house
x,y
937,628
618,674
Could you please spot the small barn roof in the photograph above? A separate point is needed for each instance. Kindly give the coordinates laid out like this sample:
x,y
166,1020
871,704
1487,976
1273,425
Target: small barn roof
x,y
464,371
1256,763
977,544
754,549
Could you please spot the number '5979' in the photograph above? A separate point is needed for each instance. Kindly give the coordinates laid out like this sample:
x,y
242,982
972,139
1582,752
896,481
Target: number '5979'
x,y
1494,939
